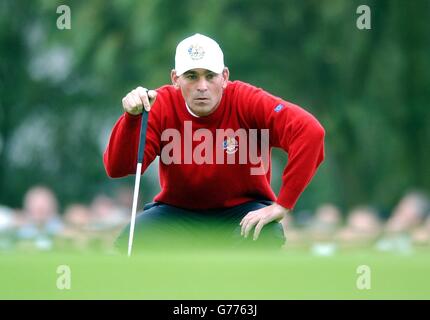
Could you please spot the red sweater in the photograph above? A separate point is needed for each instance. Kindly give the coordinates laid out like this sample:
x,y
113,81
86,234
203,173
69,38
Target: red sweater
x,y
211,185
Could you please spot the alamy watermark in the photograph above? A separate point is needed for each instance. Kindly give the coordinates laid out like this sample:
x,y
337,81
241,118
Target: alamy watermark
x,y
198,147
364,21
64,21
64,279
364,280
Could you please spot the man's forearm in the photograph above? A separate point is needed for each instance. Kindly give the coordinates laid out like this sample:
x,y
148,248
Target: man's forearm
x,y
120,155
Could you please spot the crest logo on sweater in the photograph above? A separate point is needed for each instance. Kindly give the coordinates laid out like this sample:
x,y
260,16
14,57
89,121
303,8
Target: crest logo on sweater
x,y
196,52
230,145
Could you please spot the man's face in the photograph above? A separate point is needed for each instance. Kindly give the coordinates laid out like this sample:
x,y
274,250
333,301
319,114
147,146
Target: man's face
x,y
202,89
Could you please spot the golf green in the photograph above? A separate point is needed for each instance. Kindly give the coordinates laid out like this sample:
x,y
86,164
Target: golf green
x,y
215,275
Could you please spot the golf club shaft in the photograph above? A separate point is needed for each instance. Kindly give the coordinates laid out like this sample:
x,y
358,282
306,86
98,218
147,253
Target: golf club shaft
x,y
134,209
140,154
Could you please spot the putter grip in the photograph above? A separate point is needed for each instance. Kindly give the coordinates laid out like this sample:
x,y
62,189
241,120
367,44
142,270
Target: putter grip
x,y
142,139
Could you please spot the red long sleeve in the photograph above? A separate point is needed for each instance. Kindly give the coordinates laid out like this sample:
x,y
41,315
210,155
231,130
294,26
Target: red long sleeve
x,y
120,157
213,185
292,129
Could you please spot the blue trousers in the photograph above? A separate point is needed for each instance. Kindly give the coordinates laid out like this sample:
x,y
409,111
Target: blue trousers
x,y
162,226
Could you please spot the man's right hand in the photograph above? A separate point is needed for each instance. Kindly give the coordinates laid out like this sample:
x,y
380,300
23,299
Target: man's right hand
x,y
137,99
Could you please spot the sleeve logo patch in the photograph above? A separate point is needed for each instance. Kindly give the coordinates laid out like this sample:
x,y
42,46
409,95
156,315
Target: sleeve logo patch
x,y
279,107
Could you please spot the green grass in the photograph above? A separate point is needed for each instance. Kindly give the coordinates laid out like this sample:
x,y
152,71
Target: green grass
x,y
215,275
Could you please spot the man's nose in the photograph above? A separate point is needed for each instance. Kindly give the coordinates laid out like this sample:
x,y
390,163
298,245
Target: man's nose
x,y
202,84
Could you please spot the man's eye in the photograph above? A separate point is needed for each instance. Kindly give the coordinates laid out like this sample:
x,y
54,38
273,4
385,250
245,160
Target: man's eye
x,y
191,77
210,76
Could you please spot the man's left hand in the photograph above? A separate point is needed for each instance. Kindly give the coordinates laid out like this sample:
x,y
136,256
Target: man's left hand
x,y
259,218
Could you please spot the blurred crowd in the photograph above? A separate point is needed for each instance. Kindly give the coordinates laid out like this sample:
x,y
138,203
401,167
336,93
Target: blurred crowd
x,y
83,227
87,227
328,231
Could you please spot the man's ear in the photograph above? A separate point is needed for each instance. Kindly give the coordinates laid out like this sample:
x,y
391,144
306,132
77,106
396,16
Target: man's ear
x,y
225,75
174,78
